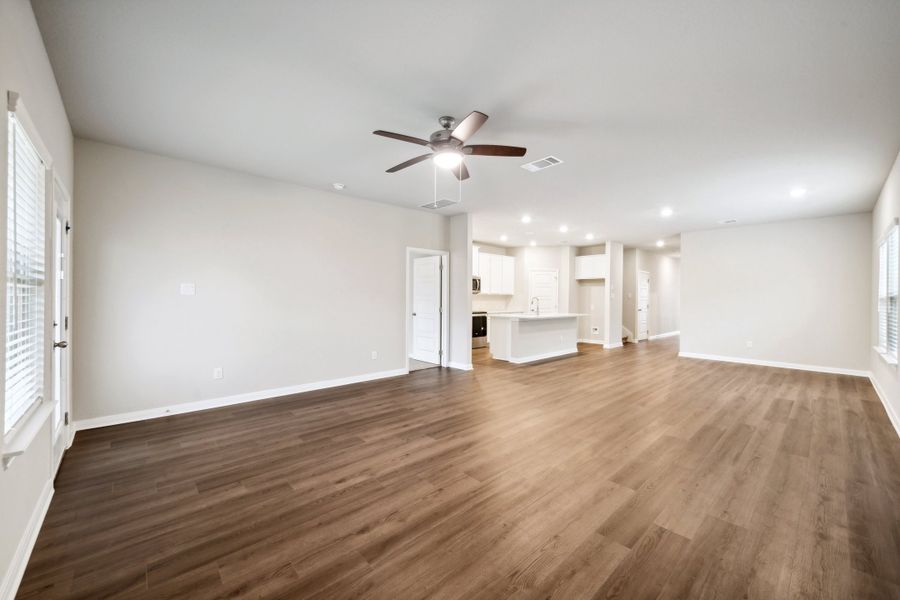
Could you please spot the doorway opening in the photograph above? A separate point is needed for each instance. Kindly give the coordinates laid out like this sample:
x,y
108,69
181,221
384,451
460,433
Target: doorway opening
x,y
427,302
643,306
60,293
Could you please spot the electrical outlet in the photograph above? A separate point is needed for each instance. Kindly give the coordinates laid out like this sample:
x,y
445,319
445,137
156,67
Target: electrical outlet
x,y
374,355
188,289
218,373
749,343
595,330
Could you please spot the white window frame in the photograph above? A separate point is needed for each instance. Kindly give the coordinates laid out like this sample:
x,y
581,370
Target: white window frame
x,y
884,274
15,441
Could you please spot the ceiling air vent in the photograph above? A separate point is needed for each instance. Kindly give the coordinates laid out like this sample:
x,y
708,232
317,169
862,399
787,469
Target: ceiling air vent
x,y
540,165
442,203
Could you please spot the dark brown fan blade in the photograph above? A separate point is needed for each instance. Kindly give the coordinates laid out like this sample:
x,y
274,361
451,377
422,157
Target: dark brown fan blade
x,y
489,150
401,137
461,172
408,163
468,126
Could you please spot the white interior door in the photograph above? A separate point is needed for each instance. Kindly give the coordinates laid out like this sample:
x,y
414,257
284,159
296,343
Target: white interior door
x,y
643,305
543,284
60,295
426,316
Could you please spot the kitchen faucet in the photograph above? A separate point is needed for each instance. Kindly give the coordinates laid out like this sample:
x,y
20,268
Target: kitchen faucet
x,y
537,305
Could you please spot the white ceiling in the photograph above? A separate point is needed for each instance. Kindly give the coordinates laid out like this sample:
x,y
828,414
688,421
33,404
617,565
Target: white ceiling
x,y
713,108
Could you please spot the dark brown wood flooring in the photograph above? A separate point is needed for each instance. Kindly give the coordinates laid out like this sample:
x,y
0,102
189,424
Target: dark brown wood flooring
x,y
627,473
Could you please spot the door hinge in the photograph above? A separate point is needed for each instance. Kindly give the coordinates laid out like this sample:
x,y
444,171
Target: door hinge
x,y
67,323
66,422
68,227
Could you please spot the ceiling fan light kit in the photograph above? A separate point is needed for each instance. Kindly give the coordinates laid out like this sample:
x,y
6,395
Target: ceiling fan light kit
x,y
447,145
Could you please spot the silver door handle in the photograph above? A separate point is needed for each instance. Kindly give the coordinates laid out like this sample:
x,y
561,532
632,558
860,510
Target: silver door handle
x,y
62,344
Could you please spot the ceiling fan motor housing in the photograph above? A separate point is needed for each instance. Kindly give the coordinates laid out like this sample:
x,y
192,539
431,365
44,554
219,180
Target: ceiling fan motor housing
x,y
444,139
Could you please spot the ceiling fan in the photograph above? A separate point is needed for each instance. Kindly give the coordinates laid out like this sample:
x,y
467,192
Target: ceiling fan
x,y
447,145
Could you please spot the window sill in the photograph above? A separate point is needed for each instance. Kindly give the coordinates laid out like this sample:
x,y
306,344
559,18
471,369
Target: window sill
x,y
890,360
22,438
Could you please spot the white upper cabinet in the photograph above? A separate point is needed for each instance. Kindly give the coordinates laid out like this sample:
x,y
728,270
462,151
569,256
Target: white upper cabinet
x,y
476,267
592,266
497,272
508,282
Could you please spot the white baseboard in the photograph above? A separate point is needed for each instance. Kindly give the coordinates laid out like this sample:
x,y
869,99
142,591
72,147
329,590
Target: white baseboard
x,y
16,570
589,341
460,366
613,346
186,407
660,336
893,416
775,363
527,359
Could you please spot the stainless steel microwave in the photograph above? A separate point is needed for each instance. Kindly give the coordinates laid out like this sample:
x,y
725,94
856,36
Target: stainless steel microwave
x,y
476,285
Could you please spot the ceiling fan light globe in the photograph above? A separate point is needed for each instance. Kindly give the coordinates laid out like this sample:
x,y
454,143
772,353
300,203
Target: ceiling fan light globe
x,y
448,159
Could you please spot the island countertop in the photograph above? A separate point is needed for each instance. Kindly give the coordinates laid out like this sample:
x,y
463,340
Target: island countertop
x,y
534,317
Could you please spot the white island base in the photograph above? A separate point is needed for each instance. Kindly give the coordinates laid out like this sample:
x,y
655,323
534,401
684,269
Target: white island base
x,y
526,337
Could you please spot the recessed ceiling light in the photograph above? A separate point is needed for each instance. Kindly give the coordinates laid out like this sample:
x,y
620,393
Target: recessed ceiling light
x,y
563,228
503,238
589,236
526,218
666,212
798,192
660,243
447,159
532,243
338,186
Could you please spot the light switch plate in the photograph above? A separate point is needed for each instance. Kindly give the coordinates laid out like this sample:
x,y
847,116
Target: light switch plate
x,y
218,373
188,289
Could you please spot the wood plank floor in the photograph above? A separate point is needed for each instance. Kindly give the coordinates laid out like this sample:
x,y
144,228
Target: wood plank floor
x,y
621,474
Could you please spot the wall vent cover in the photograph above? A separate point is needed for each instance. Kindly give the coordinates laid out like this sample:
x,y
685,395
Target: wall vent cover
x,y
442,203
541,164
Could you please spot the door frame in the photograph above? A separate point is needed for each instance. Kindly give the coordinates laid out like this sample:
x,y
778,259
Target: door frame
x,y
412,253
62,203
637,306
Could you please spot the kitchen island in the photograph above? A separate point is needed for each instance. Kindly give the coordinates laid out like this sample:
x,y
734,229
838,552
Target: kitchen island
x,y
527,337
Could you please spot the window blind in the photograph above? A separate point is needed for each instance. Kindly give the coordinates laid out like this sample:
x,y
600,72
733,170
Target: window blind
x,y
25,275
888,291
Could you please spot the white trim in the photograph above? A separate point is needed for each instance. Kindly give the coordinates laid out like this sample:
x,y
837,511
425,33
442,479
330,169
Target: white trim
x,y
16,105
659,336
186,407
527,359
460,366
776,364
590,341
613,346
893,416
13,576
25,431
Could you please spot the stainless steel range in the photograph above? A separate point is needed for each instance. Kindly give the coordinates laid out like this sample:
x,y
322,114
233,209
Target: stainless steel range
x,y
479,329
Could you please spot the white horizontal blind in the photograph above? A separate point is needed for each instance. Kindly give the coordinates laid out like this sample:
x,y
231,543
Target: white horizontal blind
x,y
25,276
888,290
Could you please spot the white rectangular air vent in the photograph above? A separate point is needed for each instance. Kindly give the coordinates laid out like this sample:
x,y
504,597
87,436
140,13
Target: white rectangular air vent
x,y
442,203
544,163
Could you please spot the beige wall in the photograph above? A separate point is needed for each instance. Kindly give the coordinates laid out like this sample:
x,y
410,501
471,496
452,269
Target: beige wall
x,y
25,69
886,377
799,290
293,285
